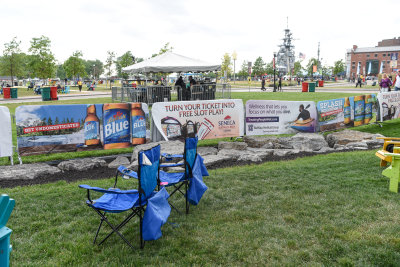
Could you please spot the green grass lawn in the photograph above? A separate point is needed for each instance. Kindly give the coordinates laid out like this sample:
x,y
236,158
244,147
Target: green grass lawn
x,y
326,210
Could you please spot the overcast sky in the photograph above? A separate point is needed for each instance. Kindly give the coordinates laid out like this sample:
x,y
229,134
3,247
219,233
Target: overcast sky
x,y
200,29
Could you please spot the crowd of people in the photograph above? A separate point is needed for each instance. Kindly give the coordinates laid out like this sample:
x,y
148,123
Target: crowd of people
x,y
386,84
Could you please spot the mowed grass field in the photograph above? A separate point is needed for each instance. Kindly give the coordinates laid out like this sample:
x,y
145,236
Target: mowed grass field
x,y
326,210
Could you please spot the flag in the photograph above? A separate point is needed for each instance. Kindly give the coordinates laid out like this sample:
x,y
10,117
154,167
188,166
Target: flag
x,y
302,56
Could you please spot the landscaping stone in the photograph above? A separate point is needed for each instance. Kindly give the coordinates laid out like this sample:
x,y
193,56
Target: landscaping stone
x,y
232,145
215,160
357,145
307,142
260,141
170,147
118,162
250,157
81,164
206,151
27,171
230,153
349,136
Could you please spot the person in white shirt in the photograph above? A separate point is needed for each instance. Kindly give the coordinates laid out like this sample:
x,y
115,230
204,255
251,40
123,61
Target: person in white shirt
x,y
397,81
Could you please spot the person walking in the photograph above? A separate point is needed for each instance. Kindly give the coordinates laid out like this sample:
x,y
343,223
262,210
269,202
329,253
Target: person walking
x,y
385,84
280,84
359,81
80,85
263,84
396,82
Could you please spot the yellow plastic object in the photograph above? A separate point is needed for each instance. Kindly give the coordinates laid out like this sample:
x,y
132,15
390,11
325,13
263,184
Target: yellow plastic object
x,y
393,172
382,152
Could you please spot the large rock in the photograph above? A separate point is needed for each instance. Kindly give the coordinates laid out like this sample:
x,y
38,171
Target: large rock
x,y
170,147
350,136
231,153
232,145
260,141
262,153
206,151
118,162
357,145
216,160
307,142
27,171
81,164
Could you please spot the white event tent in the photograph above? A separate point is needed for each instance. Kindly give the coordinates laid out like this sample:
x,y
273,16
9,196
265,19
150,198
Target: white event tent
x,y
170,62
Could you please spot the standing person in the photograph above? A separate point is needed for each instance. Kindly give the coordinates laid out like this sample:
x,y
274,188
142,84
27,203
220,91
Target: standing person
x,y
359,81
263,84
385,84
80,85
280,84
396,82
181,87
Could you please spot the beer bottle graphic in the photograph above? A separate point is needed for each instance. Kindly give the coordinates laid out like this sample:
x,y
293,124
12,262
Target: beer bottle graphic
x,y
359,105
368,109
116,128
138,124
347,111
92,126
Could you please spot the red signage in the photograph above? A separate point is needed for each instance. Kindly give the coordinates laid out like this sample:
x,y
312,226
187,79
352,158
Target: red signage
x,y
51,127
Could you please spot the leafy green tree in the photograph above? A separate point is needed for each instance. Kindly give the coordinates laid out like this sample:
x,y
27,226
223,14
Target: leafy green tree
x,y
42,60
243,70
226,65
309,67
60,73
75,66
123,61
269,68
298,69
258,67
338,67
94,68
12,61
109,62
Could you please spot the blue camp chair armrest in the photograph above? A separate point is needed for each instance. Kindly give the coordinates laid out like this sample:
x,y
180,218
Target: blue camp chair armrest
x,y
169,157
126,172
108,191
171,165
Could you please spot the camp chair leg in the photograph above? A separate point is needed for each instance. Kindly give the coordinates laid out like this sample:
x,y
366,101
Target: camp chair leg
x,y
383,163
174,208
122,224
98,229
113,228
186,198
141,225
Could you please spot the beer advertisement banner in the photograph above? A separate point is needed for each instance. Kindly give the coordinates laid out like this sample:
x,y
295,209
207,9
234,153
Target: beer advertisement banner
x,y
269,117
5,133
209,119
389,105
67,128
346,112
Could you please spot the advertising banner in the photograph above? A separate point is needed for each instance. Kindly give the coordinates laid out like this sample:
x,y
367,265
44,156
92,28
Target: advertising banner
x,y
5,133
346,112
389,105
265,117
209,119
67,128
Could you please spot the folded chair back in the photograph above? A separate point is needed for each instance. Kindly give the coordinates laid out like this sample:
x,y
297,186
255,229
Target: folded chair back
x,y
148,161
190,154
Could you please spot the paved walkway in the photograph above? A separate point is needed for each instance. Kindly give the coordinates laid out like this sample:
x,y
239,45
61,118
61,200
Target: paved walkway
x,y
38,98
340,87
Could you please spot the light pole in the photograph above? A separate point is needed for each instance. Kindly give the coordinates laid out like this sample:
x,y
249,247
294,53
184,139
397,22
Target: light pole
x,y
234,56
94,72
274,72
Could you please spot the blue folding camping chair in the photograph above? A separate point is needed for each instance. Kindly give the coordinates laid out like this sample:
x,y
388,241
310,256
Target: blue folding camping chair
x,y
151,206
191,179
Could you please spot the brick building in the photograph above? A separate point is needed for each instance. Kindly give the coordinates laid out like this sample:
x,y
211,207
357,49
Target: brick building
x,y
383,58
